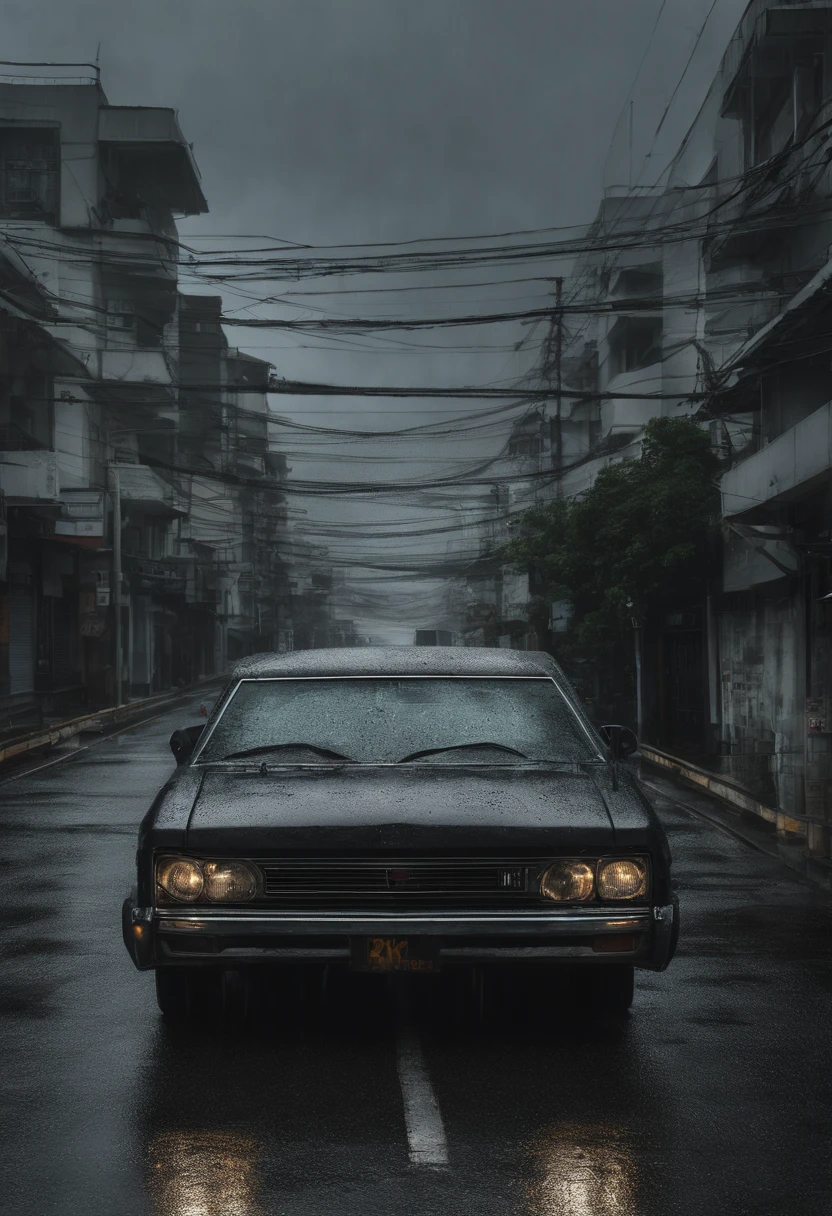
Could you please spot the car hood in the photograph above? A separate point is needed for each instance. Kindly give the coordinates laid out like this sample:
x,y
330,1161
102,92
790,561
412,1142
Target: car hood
x,y
409,808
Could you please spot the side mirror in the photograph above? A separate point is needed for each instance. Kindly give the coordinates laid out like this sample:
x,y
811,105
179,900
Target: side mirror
x,y
621,741
183,742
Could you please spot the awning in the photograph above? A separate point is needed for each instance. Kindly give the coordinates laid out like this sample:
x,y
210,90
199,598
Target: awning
x,y
794,464
152,138
794,311
140,486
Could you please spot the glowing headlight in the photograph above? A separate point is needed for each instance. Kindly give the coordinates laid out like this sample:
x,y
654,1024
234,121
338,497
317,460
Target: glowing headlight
x,y
622,879
568,881
180,878
229,881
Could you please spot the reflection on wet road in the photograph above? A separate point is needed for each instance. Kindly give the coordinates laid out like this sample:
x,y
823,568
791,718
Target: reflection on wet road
x,y
713,1096
584,1171
204,1173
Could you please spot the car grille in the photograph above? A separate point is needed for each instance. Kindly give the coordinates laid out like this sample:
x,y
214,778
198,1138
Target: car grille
x,y
360,883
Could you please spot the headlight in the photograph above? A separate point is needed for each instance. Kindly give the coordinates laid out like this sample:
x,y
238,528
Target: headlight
x,y
568,881
185,880
229,881
180,878
622,879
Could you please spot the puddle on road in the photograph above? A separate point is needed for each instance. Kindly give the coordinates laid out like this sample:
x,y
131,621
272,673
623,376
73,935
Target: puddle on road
x,y
205,1173
582,1170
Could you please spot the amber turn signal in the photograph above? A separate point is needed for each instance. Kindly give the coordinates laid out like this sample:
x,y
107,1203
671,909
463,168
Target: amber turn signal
x,y
615,943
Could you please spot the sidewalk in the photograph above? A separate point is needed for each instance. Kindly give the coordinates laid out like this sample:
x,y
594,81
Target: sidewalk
x,y
737,810
14,751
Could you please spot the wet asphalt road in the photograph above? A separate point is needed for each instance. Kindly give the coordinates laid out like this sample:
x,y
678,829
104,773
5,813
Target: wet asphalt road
x,y
713,1096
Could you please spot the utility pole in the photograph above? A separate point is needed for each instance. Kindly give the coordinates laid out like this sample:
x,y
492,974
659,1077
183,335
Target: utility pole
x,y
117,580
639,703
559,368
638,632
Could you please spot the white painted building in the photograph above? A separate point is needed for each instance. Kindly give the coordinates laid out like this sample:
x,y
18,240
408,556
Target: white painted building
x,y
95,421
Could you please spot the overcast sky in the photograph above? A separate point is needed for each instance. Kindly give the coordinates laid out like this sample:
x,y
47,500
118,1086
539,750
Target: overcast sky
x,y
329,121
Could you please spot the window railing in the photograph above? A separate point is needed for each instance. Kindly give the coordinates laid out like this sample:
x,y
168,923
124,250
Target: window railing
x,y
28,189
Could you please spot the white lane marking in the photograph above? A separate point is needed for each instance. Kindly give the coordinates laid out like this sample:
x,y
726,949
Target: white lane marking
x,y
426,1140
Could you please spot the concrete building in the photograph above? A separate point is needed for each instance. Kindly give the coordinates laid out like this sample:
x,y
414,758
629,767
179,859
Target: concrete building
x,y
87,203
709,298
132,437
769,407
237,524
489,603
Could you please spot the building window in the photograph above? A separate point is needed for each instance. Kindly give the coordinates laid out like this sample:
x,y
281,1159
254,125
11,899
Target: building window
x,y
29,164
781,109
635,342
120,314
524,445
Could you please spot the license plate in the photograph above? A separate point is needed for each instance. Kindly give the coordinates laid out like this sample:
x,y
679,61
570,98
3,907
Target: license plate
x,y
394,954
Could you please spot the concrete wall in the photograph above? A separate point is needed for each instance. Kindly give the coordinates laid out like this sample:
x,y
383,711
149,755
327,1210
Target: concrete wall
x,y
73,447
74,109
792,463
761,666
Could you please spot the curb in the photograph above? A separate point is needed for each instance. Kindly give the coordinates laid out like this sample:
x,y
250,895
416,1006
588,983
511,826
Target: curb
x,y
97,722
726,790
790,830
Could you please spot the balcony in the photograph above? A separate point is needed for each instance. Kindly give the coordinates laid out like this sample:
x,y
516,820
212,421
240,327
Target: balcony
x,y
152,151
149,576
29,171
757,46
143,489
631,412
793,465
28,477
136,367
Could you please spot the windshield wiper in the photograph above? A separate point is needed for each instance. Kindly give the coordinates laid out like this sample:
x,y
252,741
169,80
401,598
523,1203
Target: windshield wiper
x,y
276,747
453,747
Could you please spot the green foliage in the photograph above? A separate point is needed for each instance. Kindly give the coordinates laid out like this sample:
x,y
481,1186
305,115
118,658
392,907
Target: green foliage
x,y
643,532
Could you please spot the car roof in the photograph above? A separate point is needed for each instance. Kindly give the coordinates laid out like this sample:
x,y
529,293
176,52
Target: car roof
x,y
399,661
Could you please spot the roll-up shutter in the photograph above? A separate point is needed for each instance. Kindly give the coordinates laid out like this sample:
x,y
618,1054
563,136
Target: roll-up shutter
x,y
21,639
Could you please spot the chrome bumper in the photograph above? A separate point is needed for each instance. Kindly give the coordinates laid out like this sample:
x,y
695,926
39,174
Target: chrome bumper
x,y
156,937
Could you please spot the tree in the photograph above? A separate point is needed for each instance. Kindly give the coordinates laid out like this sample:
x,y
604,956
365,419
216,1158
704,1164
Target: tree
x,y
642,535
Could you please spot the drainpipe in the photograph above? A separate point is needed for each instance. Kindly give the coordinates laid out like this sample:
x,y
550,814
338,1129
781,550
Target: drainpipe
x,y
638,629
117,579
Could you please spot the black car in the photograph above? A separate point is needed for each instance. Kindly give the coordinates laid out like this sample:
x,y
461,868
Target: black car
x,y
400,809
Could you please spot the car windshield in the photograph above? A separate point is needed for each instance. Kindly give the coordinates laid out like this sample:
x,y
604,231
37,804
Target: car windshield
x,y
390,720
